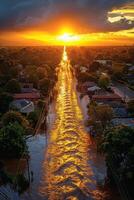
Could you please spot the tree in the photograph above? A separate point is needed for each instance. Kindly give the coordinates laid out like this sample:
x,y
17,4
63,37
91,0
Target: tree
x,y
41,103
94,67
84,76
33,118
100,115
118,70
33,78
13,86
104,81
4,66
41,72
13,117
118,146
5,100
44,85
8,70
12,141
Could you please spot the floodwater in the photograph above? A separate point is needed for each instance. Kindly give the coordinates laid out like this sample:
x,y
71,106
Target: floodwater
x,y
68,174
68,167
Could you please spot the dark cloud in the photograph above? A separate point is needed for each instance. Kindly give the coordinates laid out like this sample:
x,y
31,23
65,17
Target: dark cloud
x,y
91,14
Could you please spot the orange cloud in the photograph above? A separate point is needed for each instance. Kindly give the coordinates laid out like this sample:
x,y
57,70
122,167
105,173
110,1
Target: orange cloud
x,y
124,37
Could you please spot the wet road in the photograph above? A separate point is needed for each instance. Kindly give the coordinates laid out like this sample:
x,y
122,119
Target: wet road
x,y
68,172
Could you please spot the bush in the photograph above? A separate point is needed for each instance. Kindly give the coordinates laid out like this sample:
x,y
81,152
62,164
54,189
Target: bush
x,y
44,85
84,76
12,117
5,100
12,141
33,118
100,114
41,104
104,81
118,146
13,86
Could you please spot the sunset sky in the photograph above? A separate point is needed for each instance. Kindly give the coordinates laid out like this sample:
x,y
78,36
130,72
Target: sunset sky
x,y
69,22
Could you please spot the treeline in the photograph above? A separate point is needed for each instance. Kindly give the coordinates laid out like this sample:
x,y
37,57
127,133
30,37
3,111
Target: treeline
x,y
18,65
85,55
116,143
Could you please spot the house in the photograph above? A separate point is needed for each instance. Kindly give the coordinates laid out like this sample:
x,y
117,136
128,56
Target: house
x,y
93,89
28,88
83,88
105,62
120,112
123,121
106,97
31,96
83,69
123,91
27,85
23,105
131,68
7,192
88,84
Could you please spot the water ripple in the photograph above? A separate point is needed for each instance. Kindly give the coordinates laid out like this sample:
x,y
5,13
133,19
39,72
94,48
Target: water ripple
x,y
67,174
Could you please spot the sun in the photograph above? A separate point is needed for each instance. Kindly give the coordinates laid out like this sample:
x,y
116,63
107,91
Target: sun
x,y
68,38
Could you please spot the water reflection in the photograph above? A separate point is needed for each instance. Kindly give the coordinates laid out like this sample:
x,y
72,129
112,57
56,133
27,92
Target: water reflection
x,y
67,171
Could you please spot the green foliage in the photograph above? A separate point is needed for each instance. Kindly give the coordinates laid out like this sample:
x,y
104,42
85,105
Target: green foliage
x,y
100,116
118,70
32,75
30,69
13,86
12,141
13,117
84,76
44,85
41,104
8,70
104,81
5,100
118,146
33,78
33,118
94,66
41,72
4,66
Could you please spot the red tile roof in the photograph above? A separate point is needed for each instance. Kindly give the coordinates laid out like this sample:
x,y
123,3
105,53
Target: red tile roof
x,y
106,97
31,96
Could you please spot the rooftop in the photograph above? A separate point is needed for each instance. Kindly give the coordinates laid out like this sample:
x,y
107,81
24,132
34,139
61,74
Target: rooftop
x,y
23,105
124,121
106,97
29,96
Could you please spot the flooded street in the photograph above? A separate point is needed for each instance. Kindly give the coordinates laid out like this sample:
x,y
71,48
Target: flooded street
x,y
68,167
67,172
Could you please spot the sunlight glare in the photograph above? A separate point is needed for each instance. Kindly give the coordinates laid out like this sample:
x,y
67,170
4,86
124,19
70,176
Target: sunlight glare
x,y
65,58
67,37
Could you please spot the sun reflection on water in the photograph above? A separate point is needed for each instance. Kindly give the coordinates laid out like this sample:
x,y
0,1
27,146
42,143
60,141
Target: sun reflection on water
x,y
67,174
